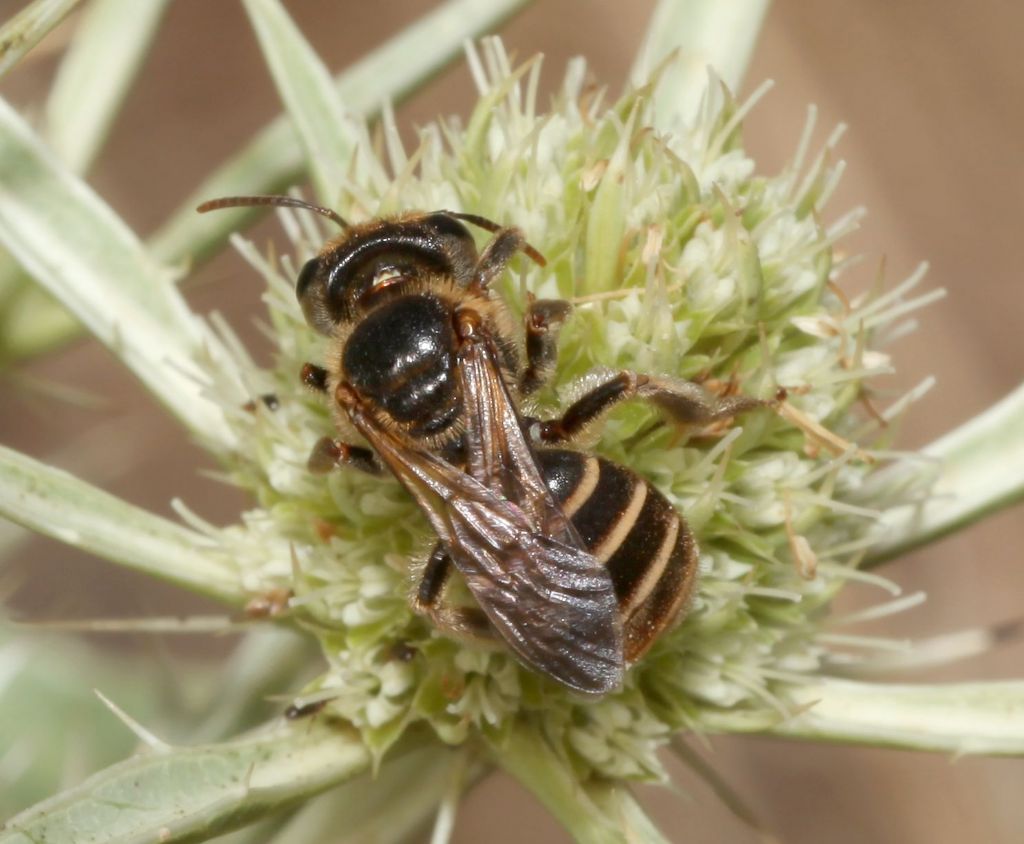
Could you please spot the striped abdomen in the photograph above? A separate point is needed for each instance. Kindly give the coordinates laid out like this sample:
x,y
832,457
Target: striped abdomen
x,y
633,529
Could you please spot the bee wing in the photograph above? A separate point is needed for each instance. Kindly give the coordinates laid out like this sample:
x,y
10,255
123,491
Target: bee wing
x,y
497,453
551,600
571,592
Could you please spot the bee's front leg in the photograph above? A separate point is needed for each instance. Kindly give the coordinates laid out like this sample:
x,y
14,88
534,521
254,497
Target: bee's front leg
x,y
496,255
684,402
314,377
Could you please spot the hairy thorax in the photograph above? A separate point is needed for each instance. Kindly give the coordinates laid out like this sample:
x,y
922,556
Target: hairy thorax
x,y
400,356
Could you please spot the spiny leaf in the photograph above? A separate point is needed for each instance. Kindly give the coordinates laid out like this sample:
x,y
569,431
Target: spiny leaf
x,y
273,160
305,86
71,241
981,472
958,718
27,28
194,793
706,33
102,61
56,504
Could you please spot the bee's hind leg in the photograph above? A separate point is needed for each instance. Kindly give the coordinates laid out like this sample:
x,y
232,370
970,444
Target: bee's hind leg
x,y
684,402
428,600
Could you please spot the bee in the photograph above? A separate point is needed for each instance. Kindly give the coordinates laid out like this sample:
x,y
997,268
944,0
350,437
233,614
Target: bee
x,y
576,563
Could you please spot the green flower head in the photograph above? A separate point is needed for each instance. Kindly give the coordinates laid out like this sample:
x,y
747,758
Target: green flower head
x,y
681,261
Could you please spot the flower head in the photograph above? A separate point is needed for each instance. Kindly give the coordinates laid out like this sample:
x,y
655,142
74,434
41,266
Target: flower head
x,y
680,260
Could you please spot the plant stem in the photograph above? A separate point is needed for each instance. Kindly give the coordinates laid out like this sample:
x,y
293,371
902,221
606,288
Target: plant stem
x,y
599,813
27,28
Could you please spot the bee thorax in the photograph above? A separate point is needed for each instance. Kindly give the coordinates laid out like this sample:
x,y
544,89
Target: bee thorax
x,y
401,357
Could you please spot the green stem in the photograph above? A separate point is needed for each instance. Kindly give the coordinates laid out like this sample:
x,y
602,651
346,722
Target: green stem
x,y
391,806
27,28
594,813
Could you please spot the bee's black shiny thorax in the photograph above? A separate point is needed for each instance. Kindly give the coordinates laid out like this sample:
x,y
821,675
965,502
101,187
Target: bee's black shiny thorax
x,y
401,357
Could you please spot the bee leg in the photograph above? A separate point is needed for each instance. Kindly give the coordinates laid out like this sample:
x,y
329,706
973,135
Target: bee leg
x,y
496,255
684,402
329,454
314,377
464,622
542,322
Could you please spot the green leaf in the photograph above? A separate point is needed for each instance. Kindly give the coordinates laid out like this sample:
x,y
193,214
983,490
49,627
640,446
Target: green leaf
x,y
51,723
309,96
31,322
67,238
958,718
110,43
273,160
56,504
596,812
191,794
27,28
268,659
706,33
390,806
982,472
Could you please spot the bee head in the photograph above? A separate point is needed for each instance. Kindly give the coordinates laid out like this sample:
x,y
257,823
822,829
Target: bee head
x,y
372,261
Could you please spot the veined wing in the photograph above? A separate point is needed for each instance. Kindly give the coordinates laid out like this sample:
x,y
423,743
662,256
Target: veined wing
x,y
550,600
497,453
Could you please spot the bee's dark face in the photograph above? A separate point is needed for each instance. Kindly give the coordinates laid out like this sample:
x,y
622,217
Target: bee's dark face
x,y
351,275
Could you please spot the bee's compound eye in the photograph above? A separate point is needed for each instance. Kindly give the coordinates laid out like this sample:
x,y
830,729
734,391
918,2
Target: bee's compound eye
x,y
307,275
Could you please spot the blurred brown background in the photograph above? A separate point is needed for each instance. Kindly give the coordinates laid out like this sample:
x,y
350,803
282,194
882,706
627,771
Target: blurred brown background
x,y
934,96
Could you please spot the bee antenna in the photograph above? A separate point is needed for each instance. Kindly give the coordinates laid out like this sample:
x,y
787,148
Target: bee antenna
x,y
280,201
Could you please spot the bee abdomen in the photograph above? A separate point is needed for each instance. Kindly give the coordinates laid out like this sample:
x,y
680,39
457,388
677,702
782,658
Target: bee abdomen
x,y
634,530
